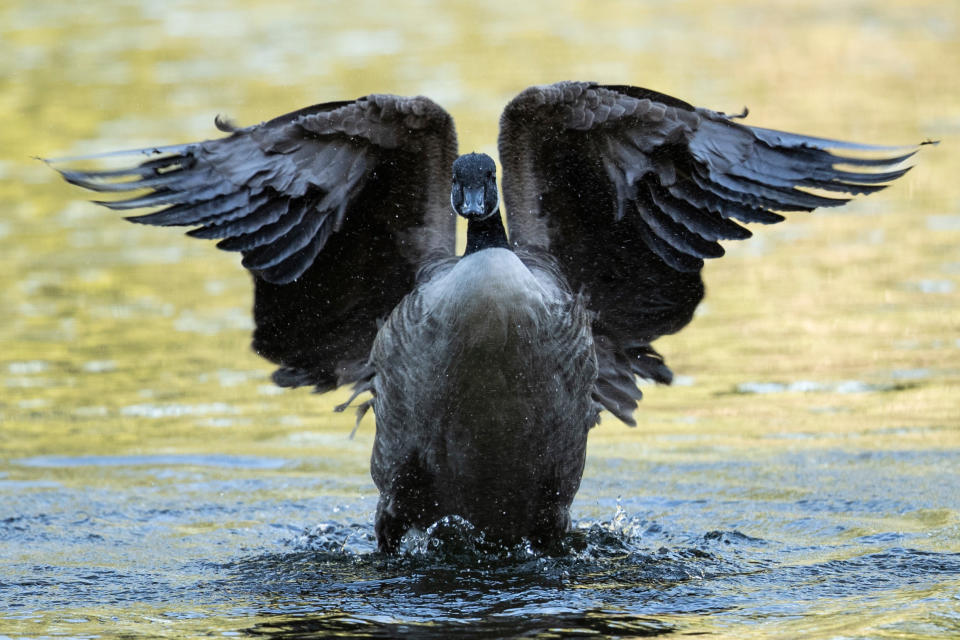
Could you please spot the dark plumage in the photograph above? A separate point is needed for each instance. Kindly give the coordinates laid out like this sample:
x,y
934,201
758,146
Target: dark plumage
x,y
487,370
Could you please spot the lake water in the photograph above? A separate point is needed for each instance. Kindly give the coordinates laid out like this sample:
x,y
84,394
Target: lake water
x,y
799,480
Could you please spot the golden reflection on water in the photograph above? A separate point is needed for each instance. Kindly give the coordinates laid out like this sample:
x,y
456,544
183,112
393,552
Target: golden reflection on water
x,y
123,340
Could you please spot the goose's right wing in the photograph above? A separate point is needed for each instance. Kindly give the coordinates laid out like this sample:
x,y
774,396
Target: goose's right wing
x,y
333,207
630,190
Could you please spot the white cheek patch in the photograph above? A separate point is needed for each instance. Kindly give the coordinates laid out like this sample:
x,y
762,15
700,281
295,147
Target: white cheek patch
x,y
496,204
456,191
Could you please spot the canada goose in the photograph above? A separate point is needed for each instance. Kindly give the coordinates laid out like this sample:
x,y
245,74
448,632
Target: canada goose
x,y
487,370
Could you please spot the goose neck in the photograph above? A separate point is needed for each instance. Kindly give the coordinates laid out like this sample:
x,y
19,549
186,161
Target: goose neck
x,y
486,233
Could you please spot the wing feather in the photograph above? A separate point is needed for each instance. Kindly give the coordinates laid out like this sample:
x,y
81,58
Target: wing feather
x,y
631,190
333,207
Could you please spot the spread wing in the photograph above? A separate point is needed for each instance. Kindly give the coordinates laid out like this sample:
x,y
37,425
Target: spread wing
x,y
333,207
630,190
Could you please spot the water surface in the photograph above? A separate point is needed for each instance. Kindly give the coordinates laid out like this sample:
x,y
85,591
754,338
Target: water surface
x,y
800,480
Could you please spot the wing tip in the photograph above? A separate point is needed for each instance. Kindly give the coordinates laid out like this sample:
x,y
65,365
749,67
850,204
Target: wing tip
x,y
146,151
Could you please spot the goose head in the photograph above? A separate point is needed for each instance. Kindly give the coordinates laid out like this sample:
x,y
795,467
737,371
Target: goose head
x,y
474,190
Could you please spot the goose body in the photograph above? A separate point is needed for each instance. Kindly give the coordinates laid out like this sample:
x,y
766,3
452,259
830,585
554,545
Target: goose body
x,y
486,370
483,400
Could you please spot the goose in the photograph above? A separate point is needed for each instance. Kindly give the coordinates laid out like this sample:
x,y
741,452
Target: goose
x,y
486,370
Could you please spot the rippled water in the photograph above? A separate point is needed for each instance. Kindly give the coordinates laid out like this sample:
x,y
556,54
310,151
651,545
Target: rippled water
x,y
799,480
195,541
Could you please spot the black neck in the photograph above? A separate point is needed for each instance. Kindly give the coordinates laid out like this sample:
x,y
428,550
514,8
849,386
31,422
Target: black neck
x,y
486,234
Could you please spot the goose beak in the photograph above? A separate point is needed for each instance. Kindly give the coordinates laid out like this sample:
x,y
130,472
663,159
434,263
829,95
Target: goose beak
x,y
473,204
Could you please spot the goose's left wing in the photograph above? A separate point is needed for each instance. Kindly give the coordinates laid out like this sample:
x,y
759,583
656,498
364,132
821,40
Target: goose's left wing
x,y
630,190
